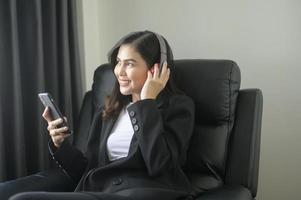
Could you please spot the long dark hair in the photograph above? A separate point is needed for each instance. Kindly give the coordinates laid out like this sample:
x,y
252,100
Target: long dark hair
x,y
147,45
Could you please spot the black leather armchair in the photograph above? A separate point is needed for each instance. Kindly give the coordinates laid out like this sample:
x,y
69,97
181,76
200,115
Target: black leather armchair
x,y
223,158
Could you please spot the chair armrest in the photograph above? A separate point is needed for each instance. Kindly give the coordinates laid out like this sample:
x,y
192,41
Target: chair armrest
x,y
227,192
52,181
244,147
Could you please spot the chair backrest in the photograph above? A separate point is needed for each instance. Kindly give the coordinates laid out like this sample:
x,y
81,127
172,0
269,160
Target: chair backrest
x,y
103,83
214,87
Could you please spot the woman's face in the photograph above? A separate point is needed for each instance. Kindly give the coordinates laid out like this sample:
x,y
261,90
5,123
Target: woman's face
x,y
130,71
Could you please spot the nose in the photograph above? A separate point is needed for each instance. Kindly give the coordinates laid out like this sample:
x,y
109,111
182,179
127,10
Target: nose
x,y
120,69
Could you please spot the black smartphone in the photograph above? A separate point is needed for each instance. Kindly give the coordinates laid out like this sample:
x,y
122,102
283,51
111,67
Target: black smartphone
x,y
55,112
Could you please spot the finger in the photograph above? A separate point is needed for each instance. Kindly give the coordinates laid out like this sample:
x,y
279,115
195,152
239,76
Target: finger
x,y
62,129
58,131
149,74
49,127
152,70
59,135
58,140
53,132
156,70
165,73
53,124
164,68
57,122
166,78
46,114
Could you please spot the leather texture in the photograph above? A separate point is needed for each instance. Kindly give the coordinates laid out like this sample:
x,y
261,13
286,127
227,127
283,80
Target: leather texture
x,y
243,159
223,156
227,192
214,87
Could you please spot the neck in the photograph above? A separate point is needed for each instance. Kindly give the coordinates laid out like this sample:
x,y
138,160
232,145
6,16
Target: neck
x,y
135,97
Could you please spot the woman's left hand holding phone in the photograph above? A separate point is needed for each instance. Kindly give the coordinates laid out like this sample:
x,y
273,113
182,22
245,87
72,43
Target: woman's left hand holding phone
x,y
57,135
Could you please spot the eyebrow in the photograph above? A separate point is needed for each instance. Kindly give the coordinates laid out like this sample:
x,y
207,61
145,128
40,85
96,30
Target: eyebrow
x,y
127,60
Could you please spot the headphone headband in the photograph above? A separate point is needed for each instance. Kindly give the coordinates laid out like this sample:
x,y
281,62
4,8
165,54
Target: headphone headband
x,y
162,45
163,51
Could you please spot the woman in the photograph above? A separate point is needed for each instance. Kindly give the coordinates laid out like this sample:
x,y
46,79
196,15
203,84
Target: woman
x,y
138,139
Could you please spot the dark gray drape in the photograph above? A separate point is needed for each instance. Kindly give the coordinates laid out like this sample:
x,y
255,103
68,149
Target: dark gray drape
x,y
38,52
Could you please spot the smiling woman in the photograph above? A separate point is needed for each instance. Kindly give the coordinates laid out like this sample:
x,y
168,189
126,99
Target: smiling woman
x,y
136,142
136,58
131,71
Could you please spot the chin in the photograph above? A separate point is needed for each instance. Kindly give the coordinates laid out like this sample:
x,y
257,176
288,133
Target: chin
x,y
125,92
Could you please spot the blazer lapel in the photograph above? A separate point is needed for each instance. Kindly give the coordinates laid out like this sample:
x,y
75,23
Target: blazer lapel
x,y
105,132
93,138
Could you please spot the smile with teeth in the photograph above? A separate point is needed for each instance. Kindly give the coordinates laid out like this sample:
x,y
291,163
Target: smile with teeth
x,y
123,82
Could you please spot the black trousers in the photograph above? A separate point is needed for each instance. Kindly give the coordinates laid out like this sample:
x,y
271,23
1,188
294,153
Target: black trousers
x,y
123,195
67,196
58,190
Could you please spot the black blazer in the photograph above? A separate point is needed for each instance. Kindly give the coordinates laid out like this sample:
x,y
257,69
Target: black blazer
x,y
162,130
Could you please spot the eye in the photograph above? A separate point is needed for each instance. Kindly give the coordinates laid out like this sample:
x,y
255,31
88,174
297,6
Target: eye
x,y
130,64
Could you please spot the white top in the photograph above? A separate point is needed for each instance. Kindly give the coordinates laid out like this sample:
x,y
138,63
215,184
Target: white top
x,y
119,141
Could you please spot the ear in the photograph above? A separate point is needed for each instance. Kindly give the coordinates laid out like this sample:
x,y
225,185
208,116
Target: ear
x,y
152,70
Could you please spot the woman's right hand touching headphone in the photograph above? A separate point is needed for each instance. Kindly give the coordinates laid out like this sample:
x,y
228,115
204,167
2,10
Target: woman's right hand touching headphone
x,y
57,135
155,82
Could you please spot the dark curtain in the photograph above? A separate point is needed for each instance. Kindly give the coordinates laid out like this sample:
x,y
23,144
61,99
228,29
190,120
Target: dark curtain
x,y
38,52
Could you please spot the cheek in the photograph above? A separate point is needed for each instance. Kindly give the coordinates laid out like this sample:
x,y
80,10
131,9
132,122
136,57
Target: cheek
x,y
139,78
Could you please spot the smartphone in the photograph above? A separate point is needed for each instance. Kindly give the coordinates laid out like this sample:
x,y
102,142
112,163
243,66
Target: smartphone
x,y
55,112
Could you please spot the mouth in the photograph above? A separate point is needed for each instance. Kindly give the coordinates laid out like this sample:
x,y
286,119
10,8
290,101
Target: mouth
x,y
124,82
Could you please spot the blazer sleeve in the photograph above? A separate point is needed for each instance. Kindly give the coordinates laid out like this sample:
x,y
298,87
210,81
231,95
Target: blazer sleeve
x,y
163,134
69,159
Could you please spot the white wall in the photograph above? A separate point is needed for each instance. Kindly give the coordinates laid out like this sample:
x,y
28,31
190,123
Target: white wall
x,y
262,36
91,35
